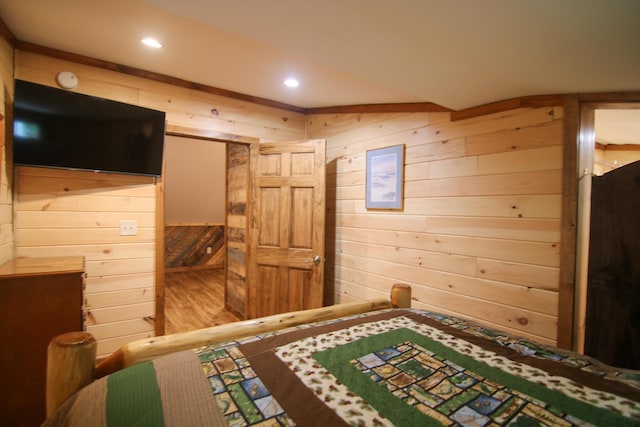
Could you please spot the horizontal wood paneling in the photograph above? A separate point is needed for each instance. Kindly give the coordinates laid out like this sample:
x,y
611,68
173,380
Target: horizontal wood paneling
x,y
480,229
70,235
541,230
96,300
117,283
504,293
507,250
481,210
518,206
120,266
119,313
78,213
107,346
61,212
525,138
117,329
184,107
98,253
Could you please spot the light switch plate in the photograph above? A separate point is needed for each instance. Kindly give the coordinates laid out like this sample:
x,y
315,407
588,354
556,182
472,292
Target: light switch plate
x,y
128,227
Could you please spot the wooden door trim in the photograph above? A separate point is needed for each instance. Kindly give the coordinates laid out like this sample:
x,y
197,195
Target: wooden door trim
x,y
160,271
569,223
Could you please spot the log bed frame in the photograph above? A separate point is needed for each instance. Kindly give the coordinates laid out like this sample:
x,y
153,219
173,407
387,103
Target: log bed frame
x,y
71,358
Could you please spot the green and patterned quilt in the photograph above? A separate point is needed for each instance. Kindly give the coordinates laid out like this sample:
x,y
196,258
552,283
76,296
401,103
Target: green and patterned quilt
x,y
412,368
393,367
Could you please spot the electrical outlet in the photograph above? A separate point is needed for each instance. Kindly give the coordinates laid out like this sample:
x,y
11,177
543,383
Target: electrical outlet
x,y
128,227
209,249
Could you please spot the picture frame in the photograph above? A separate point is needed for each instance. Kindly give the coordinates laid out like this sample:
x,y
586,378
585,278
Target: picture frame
x,y
385,178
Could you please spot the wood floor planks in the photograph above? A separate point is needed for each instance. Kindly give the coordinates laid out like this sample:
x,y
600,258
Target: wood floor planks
x,y
195,299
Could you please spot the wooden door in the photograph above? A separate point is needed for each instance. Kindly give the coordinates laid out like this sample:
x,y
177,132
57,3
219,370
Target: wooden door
x,y
286,227
613,291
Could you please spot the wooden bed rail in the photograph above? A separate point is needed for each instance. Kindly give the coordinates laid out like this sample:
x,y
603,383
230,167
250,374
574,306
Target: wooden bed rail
x,y
71,361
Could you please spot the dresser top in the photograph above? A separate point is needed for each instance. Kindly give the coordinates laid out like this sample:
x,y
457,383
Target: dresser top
x,y
51,265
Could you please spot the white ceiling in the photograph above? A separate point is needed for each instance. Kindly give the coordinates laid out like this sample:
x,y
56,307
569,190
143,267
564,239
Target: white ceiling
x,y
455,53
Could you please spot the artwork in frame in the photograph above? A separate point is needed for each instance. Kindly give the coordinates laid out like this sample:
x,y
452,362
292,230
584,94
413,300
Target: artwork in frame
x,y
385,178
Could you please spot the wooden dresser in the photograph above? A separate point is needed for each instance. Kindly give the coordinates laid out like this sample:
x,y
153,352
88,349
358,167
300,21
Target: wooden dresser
x,y
39,299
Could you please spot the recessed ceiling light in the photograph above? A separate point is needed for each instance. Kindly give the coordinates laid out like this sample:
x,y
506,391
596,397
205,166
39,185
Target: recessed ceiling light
x,y
151,42
291,82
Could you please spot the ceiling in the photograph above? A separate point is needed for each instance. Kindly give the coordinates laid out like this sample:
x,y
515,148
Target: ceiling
x,y
455,53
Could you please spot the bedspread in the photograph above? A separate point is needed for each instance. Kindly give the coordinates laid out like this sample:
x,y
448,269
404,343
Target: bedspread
x,y
393,367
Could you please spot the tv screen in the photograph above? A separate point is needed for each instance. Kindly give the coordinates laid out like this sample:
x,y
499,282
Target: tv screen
x,y
61,129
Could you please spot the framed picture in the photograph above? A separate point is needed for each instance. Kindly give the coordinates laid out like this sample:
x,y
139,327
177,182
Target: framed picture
x,y
385,178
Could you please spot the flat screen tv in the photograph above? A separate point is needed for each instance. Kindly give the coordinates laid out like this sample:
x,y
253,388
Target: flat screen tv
x,y
61,129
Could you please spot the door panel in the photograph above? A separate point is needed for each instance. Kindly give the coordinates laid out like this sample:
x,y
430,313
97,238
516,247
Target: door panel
x,y
302,218
613,293
298,284
269,226
287,216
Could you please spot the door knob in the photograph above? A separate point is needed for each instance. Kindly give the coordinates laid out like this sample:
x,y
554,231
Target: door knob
x,y
316,259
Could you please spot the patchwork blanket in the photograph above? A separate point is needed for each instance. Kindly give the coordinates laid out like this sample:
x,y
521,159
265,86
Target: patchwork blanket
x,y
394,367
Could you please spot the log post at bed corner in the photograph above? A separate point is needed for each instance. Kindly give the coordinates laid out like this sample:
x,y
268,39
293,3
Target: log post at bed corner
x,y
71,359
401,295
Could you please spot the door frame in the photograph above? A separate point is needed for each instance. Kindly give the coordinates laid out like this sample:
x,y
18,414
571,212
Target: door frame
x,y
190,133
578,154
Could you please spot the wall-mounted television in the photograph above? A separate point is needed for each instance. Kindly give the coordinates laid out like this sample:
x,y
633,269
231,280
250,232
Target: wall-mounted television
x,y
62,129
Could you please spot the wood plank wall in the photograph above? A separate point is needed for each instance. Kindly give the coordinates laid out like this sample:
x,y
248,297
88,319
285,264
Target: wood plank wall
x,y
121,295
59,212
188,247
480,230
236,236
479,234
6,168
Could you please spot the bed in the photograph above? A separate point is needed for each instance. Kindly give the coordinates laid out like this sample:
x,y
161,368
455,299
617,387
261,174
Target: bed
x,y
378,363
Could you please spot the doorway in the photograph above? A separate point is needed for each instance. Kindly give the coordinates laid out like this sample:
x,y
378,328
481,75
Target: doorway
x,y
607,284
194,233
232,182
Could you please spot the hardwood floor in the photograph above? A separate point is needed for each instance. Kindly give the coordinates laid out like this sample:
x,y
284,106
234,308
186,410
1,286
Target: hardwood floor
x,y
195,299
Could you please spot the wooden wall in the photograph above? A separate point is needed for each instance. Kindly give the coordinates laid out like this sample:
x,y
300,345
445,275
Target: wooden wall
x,y
236,236
59,212
188,247
121,282
480,230
6,168
479,234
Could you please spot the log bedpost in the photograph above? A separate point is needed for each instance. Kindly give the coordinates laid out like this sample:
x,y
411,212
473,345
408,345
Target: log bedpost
x,y
71,359
401,296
